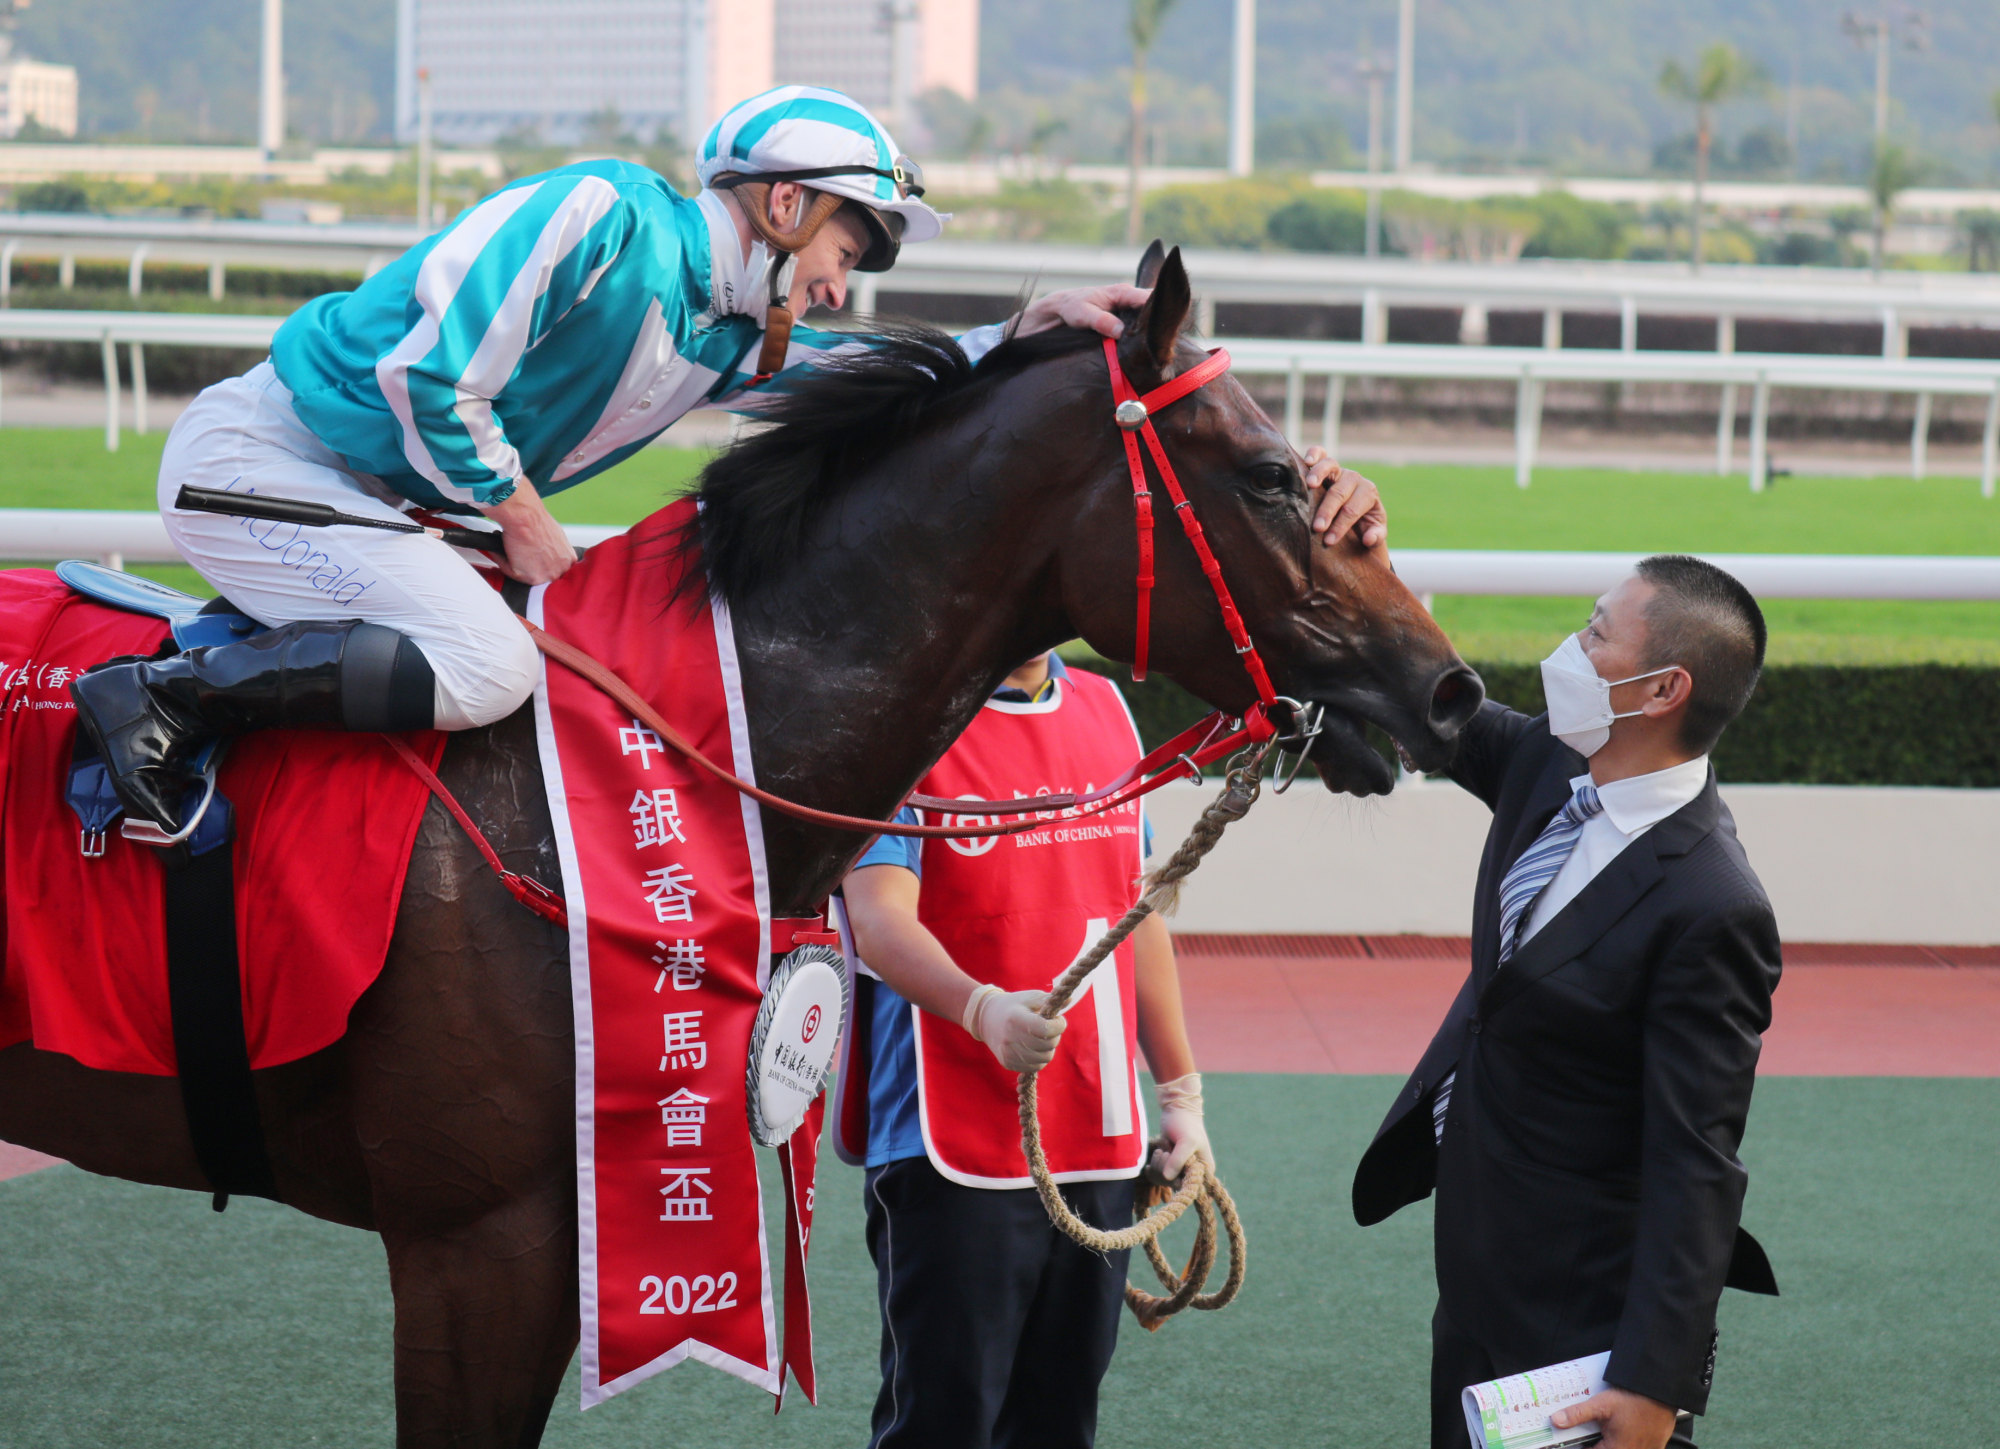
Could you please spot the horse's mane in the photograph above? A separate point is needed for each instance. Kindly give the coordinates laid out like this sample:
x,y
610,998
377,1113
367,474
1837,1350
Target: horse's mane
x,y
762,494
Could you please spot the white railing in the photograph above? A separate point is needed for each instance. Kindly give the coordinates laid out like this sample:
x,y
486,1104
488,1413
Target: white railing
x,y
135,330
1768,575
215,244
999,269
1627,289
121,538
1532,369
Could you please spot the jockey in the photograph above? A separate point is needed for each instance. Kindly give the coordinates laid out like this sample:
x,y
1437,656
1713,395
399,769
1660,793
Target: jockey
x,y
546,335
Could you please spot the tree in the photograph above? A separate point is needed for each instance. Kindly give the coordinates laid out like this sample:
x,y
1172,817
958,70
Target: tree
x,y
1893,171
1979,233
1142,24
1722,74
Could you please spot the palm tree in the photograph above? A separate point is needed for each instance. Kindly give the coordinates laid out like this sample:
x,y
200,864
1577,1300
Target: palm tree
x,y
1893,172
1142,23
1722,74
1980,231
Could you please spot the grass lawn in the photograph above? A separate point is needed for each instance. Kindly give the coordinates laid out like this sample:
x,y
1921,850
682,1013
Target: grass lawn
x,y
136,1316
1576,508
1430,507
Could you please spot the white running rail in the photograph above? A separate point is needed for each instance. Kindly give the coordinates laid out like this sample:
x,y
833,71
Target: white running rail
x,y
47,534
1530,369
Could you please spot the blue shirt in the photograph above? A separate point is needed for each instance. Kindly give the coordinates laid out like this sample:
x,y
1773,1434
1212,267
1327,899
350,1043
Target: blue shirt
x,y
894,1129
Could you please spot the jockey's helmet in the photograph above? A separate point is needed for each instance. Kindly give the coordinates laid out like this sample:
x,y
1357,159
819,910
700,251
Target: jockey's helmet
x,y
829,142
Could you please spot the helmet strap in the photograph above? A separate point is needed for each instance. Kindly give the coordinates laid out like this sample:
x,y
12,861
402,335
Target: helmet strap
x,y
753,199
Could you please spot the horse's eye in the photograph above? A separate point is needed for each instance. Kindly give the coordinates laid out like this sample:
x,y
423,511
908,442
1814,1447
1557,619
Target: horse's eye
x,y
1273,478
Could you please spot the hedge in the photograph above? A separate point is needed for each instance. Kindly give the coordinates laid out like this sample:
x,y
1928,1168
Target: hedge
x,y
1807,724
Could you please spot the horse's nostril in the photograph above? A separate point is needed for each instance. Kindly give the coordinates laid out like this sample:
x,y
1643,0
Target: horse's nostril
x,y
1455,700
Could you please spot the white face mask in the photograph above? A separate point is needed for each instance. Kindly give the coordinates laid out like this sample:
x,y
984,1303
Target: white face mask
x,y
1580,712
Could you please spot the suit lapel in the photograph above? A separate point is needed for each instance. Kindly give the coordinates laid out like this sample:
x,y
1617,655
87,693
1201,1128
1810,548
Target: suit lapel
x,y
1599,906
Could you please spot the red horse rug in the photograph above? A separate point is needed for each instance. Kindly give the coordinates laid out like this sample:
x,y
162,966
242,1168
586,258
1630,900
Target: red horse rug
x,y
670,933
324,825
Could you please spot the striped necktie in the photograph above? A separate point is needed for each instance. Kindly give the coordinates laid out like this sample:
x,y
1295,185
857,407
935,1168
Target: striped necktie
x,y
1540,863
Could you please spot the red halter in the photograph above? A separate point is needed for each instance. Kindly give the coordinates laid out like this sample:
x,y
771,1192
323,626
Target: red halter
x,y
1133,415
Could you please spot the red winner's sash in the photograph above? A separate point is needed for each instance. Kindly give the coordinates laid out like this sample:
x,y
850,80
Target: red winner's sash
x,y
669,915
1018,910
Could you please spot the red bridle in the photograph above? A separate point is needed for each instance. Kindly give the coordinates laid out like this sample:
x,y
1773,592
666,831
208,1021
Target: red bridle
x,y
1134,416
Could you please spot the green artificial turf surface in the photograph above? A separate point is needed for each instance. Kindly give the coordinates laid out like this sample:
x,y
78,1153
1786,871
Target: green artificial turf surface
x,y
134,1316
1430,507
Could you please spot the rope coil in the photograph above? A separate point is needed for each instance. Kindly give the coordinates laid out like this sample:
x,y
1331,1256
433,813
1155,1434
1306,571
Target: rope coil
x,y
1199,1187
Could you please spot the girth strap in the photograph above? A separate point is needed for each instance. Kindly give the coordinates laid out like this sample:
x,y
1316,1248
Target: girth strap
x,y
211,1047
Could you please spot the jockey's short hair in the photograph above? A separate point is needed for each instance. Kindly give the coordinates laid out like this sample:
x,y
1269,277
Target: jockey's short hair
x,y
1704,620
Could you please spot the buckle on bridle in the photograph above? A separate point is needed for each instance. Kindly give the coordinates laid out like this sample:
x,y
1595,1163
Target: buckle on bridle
x,y
1130,415
1308,720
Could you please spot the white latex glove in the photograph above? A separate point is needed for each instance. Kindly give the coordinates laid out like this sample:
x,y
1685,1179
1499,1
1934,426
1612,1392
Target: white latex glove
x,y
1181,1124
1019,1037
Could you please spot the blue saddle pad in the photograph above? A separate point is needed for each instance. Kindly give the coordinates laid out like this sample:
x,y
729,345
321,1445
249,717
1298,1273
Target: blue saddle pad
x,y
195,622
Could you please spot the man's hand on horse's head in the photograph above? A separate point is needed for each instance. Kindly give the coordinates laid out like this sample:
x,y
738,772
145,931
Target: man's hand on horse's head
x,y
1094,309
1349,504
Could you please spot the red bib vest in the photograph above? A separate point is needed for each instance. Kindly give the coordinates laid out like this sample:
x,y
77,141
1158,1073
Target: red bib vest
x,y
1018,910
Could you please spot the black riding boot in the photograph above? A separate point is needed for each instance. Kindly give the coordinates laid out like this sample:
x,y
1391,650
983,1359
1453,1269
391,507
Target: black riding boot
x,y
149,718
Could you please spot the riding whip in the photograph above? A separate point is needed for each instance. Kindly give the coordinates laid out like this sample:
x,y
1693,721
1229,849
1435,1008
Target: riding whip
x,y
321,515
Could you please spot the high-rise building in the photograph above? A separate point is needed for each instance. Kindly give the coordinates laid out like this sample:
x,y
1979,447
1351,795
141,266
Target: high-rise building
x,y
530,66
33,90
884,53
499,66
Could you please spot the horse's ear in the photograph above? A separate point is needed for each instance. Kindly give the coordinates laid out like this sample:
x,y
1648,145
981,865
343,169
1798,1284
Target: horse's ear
x,y
1150,264
1166,312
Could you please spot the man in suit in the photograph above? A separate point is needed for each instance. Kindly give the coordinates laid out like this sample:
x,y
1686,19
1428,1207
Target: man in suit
x,y
1580,1109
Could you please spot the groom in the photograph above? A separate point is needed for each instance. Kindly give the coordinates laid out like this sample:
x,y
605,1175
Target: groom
x,y
1579,1110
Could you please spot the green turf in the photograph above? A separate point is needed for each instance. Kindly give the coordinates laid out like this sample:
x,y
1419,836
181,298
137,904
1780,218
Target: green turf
x,y
1430,507
1581,508
135,1316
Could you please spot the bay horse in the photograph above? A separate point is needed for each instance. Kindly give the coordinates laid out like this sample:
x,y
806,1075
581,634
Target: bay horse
x,y
909,529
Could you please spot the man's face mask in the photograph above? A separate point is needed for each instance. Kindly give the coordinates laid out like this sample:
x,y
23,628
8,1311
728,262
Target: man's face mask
x,y
1580,712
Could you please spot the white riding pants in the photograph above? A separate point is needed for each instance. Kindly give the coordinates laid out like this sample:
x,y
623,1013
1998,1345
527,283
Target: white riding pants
x,y
243,435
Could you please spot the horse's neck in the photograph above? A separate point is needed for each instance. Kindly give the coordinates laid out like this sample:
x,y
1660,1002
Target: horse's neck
x,y
922,587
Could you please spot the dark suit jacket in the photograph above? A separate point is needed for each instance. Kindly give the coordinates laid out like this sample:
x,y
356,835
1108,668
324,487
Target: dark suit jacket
x,y
1588,1184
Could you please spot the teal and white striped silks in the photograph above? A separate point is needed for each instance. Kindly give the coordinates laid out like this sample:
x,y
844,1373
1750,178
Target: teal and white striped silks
x,y
548,333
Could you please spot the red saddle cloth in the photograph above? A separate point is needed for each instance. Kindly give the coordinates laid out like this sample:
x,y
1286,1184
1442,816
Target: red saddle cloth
x,y
324,825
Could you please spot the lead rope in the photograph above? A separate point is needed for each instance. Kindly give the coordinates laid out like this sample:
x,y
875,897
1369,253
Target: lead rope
x,y
1199,1186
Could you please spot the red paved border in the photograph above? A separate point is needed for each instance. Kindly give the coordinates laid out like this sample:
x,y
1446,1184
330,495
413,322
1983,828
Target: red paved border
x,y
1370,1004
15,1161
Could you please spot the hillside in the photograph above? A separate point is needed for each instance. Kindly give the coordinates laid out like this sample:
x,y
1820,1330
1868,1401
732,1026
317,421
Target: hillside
x,y
1562,83
1569,83
186,70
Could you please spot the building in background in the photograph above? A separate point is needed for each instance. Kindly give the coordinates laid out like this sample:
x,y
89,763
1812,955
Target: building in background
x,y
500,66
884,53
33,90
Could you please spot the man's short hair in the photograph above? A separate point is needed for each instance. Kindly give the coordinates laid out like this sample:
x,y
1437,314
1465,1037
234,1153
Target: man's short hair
x,y
1706,622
